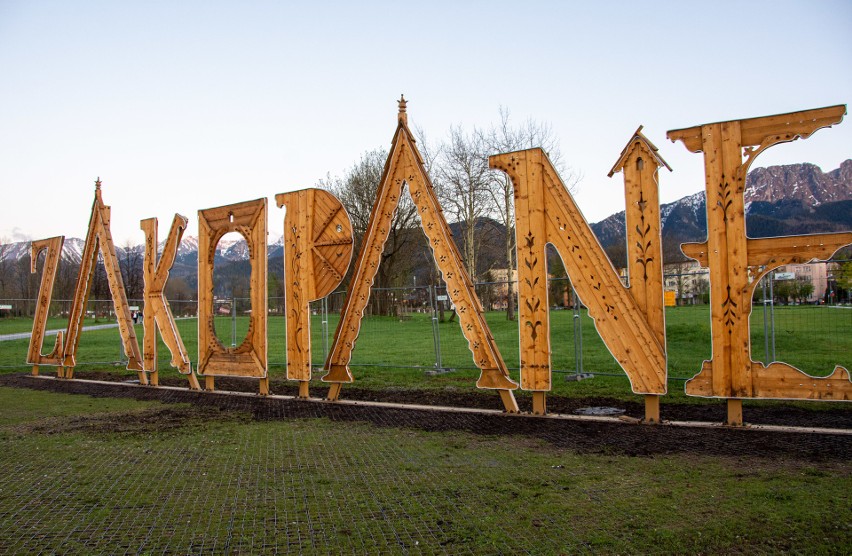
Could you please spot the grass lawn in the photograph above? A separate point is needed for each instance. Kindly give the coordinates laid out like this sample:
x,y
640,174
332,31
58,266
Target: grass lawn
x,y
814,338
96,476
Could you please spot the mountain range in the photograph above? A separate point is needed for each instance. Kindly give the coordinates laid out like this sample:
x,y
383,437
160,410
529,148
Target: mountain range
x,y
784,200
780,200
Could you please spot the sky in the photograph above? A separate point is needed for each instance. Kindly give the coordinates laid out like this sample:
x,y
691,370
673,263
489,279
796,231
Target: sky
x,y
183,106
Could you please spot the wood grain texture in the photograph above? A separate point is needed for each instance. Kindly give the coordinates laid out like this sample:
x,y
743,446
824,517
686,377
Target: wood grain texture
x,y
640,163
619,320
318,246
250,357
405,167
53,246
157,314
99,239
736,262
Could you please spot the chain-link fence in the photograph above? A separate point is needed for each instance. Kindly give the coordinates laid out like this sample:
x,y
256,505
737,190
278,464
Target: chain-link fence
x,y
416,327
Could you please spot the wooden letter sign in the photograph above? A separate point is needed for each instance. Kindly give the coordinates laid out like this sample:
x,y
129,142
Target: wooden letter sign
x,y
248,358
405,166
317,252
732,258
48,276
99,235
158,314
546,213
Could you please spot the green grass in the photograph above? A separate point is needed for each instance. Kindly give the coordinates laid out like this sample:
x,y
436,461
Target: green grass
x,y
812,338
109,482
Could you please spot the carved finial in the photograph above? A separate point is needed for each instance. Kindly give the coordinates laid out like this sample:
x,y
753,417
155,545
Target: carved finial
x,y
402,117
98,184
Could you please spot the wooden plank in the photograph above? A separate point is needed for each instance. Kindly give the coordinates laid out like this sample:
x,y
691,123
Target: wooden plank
x,y
533,313
775,129
773,252
652,409
735,413
539,402
250,357
640,165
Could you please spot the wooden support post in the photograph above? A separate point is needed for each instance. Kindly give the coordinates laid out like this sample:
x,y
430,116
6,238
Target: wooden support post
x,y
143,378
154,379
303,388
193,381
735,412
652,409
209,383
69,372
539,399
264,386
35,370
334,391
509,402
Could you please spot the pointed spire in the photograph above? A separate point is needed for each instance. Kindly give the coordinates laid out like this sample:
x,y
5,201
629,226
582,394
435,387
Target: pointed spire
x,y
402,117
98,184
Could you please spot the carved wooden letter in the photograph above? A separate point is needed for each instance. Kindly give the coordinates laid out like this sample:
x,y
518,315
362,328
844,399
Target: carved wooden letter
x,y
157,313
249,358
405,165
99,235
640,162
546,213
730,255
45,294
317,252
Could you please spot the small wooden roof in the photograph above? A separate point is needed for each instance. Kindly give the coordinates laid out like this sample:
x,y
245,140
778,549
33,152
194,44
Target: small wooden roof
x,y
649,146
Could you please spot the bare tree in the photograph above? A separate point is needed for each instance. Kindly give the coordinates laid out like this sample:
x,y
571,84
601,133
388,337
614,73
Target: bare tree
x,y
130,265
357,191
462,183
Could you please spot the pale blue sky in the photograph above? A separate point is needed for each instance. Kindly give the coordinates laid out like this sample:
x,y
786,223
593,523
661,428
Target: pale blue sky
x,y
180,106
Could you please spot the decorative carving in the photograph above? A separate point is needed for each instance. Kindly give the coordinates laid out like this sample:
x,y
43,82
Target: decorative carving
x,y
318,247
250,357
158,313
640,163
406,165
732,258
48,276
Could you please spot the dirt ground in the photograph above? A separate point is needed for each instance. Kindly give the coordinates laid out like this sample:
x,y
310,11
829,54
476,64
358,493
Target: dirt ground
x,y
582,436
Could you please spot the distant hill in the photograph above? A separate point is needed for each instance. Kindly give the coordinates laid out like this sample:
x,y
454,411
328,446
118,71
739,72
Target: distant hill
x,y
780,200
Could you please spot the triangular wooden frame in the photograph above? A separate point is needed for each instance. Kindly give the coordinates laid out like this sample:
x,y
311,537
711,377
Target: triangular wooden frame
x,y
99,239
405,166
